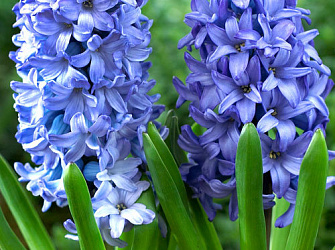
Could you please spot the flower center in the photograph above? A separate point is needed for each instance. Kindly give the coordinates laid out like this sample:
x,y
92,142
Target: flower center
x,y
274,155
246,88
238,47
274,113
88,4
121,207
273,70
77,90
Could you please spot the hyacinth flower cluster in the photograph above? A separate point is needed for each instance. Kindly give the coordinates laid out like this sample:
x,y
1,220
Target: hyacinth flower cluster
x,y
257,65
83,98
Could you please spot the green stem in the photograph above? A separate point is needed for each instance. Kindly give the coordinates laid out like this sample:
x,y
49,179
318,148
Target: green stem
x,y
267,189
279,235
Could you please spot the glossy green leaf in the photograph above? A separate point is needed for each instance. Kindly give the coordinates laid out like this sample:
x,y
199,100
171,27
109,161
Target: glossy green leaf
x,y
23,211
198,215
172,139
147,236
279,235
127,237
249,185
169,162
173,245
8,239
205,228
170,199
81,208
310,195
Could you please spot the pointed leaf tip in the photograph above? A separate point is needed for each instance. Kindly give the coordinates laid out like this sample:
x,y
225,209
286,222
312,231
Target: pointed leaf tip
x,y
249,186
310,195
81,208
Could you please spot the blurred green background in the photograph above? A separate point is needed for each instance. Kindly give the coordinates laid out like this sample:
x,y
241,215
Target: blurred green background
x,y
167,61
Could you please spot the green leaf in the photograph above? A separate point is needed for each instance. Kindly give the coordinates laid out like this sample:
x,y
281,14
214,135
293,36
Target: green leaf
x,y
197,129
8,239
173,244
170,199
249,185
23,211
127,237
81,208
279,235
205,228
147,236
310,195
169,162
172,139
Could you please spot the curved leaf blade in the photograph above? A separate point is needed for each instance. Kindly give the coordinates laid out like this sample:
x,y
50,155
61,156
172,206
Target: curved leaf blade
x,y
172,139
8,239
169,162
170,199
23,211
147,236
205,227
81,208
310,195
249,185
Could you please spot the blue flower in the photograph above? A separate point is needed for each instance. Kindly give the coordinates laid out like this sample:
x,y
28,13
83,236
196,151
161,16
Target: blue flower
x,y
120,207
244,92
88,13
84,96
28,100
58,30
100,52
228,44
283,72
72,99
279,115
57,68
257,64
81,136
283,162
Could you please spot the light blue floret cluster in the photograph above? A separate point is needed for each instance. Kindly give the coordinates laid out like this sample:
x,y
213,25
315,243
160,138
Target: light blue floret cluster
x,y
83,98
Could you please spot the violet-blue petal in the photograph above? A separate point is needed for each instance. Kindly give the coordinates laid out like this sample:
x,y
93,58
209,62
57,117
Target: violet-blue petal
x,y
287,218
246,109
286,131
90,170
101,126
242,4
238,64
222,51
132,216
280,180
218,35
267,122
230,99
289,89
116,223
292,164
270,83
